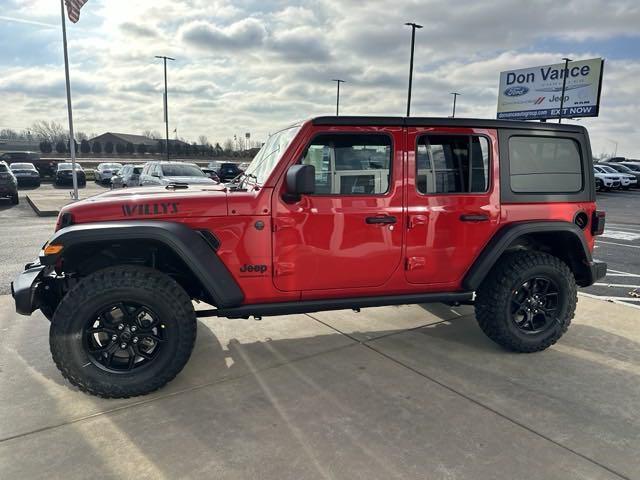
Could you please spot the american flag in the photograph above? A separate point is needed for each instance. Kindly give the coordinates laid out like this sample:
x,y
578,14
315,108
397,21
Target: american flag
x,y
73,9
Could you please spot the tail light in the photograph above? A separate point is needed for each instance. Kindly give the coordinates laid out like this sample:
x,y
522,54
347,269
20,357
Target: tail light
x,y
597,222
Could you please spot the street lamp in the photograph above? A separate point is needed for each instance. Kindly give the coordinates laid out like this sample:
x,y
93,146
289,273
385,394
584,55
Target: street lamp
x,y
166,102
564,85
413,42
455,96
338,82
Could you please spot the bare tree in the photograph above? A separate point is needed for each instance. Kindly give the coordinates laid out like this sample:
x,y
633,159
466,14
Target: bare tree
x,y
228,145
51,131
152,134
9,134
81,136
203,140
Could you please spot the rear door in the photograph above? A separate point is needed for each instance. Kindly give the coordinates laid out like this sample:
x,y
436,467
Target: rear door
x,y
347,235
453,204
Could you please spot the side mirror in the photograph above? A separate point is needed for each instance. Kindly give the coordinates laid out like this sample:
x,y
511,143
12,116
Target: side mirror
x,y
301,180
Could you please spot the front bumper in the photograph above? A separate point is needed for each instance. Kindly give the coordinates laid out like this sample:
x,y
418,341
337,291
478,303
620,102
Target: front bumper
x,y
25,287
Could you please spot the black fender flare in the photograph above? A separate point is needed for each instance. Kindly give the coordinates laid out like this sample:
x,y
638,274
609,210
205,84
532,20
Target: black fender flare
x,y
510,233
189,245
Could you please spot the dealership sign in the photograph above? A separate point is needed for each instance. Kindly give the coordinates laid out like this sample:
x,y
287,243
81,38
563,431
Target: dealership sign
x,y
535,93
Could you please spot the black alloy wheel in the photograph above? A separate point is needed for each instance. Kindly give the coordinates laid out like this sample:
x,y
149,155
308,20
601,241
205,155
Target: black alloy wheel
x,y
534,305
124,336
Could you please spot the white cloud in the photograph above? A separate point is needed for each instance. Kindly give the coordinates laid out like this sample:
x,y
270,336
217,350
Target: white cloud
x,y
249,65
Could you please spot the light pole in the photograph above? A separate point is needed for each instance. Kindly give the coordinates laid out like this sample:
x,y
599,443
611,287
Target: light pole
x,y
413,43
166,103
455,96
338,82
564,85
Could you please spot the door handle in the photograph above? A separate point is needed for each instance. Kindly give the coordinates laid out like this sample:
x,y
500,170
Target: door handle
x,y
381,220
474,217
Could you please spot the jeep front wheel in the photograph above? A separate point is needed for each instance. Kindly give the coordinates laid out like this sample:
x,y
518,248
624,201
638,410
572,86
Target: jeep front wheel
x,y
123,331
527,301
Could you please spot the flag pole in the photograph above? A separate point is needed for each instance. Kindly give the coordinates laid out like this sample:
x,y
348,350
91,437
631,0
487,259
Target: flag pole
x,y
72,141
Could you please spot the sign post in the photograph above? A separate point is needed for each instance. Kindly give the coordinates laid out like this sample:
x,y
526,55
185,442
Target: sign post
x,y
566,90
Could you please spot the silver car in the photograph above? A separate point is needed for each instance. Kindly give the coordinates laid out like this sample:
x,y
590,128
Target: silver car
x,y
105,171
165,173
128,176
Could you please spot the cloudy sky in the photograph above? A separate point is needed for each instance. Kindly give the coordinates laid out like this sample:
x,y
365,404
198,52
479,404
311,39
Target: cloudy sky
x,y
250,65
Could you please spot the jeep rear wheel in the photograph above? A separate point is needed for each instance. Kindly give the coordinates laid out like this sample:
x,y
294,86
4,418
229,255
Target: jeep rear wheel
x,y
527,302
123,331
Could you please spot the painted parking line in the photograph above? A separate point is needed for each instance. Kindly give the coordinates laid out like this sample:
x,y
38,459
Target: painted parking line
x,y
620,273
619,244
626,235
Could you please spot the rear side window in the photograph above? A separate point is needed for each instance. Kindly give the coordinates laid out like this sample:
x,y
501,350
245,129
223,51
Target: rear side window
x,y
452,164
544,165
350,164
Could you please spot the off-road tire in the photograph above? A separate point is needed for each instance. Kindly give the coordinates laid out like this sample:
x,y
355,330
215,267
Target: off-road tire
x,y
15,200
122,283
493,300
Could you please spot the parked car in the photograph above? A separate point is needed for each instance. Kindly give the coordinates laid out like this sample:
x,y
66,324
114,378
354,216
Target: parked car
x,y
105,170
625,180
26,174
620,168
128,176
11,157
8,184
333,213
228,171
164,173
211,173
605,181
64,175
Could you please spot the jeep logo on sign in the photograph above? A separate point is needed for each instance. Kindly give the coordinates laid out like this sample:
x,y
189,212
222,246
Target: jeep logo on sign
x,y
516,91
253,268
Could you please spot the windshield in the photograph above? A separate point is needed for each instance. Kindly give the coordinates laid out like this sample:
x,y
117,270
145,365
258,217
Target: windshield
x,y
22,166
269,155
608,169
635,168
67,166
181,171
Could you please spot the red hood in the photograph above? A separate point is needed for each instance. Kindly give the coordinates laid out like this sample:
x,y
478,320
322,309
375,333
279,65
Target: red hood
x,y
151,203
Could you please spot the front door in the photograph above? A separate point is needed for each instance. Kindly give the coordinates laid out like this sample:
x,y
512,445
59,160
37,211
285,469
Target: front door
x,y
349,233
453,204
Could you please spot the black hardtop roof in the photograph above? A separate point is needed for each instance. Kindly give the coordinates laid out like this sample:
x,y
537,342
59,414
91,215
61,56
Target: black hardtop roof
x,y
444,122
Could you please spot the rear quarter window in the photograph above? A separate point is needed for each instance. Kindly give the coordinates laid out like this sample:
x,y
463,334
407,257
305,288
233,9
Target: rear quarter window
x,y
545,165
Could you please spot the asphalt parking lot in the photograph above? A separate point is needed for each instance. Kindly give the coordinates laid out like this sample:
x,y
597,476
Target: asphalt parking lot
x,y
619,246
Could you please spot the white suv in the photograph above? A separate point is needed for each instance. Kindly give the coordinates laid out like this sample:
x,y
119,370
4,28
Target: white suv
x,y
605,181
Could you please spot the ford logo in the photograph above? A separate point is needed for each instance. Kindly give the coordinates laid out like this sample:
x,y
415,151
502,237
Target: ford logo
x,y
516,91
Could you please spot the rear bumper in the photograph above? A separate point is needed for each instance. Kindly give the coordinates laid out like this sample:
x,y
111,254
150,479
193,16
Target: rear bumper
x,y
24,288
598,270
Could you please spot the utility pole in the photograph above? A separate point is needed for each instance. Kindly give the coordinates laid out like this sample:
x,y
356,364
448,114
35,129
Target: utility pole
x,y
338,82
166,103
564,85
455,95
413,43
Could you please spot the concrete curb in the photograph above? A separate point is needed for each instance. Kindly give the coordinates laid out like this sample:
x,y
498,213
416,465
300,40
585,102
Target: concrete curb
x,y
41,213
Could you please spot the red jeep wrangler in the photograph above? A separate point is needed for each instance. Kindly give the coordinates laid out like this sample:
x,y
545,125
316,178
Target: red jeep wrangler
x,y
333,213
